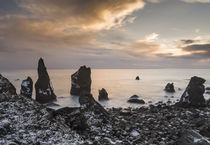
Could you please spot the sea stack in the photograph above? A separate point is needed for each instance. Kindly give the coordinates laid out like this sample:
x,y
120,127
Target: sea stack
x,y
27,87
103,95
81,81
43,86
137,78
6,87
170,88
193,95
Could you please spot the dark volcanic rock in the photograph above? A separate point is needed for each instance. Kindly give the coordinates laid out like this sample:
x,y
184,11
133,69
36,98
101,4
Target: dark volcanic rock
x,y
137,78
208,88
193,95
44,89
191,137
134,97
27,87
103,95
6,86
170,88
81,81
137,101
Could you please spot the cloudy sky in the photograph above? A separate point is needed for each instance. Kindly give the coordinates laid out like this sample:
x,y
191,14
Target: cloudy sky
x,y
105,33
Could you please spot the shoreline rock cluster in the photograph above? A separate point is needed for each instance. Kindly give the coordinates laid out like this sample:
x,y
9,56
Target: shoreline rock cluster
x,y
26,121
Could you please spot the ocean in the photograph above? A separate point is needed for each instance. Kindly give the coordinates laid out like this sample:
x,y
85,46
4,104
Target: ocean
x,y
119,83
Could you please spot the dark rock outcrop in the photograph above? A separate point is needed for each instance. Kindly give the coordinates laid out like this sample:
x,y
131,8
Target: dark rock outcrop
x,y
27,87
81,81
191,137
134,97
43,86
6,86
137,78
193,95
137,101
170,88
103,95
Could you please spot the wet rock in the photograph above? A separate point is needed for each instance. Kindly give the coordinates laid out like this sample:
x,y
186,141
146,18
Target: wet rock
x,y
81,81
43,86
193,95
170,88
27,87
103,95
208,88
137,78
191,137
136,101
6,86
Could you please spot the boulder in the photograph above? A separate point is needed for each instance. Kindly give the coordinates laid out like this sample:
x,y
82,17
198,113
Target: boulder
x,y
208,88
43,86
27,87
170,88
134,97
6,86
136,100
81,81
193,95
103,95
191,137
137,78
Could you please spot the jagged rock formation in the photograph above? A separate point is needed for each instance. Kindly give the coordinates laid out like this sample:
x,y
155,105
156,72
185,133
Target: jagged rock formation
x,y
170,88
137,78
103,95
43,86
193,95
27,87
81,81
6,87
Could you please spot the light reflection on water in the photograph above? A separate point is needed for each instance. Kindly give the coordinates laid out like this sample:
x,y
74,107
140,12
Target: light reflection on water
x,y
119,83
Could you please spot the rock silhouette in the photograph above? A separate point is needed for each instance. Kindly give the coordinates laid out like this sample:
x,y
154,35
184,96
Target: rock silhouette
x,y
43,86
27,87
193,95
103,95
81,81
137,78
6,86
170,88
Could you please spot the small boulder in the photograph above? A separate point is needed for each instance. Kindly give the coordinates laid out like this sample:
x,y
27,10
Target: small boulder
x,y
136,101
193,95
170,88
81,81
27,87
137,78
43,86
103,95
134,97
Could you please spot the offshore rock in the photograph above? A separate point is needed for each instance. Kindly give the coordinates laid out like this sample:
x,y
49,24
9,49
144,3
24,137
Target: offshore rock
x,y
170,88
27,87
81,81
103,95
43,86
137,78
193,95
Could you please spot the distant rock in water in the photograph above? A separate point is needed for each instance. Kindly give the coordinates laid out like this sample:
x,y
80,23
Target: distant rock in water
x,y
134,99
6,86
193,95
103,95
27,87
43,86
137,78
81,81
170,88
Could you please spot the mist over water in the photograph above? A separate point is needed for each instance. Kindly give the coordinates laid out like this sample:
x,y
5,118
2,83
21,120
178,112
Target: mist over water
x,y
119,83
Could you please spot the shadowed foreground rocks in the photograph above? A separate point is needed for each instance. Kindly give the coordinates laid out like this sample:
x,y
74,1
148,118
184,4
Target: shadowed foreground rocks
x,y
6,86
81,81
43,86
27,87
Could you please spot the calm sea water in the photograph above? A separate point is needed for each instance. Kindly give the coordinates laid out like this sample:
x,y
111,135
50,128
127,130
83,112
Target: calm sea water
x,y
119,83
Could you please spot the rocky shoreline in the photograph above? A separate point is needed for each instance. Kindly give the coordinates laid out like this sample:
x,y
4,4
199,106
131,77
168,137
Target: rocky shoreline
x,y
26,121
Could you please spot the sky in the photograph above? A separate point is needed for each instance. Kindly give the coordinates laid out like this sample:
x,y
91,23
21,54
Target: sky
x,y
111,34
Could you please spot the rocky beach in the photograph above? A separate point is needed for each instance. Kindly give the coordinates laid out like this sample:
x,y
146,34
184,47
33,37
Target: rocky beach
x,y
27,121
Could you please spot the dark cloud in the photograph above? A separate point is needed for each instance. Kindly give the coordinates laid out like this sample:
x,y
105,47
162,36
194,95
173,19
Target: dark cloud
x,y
188,41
